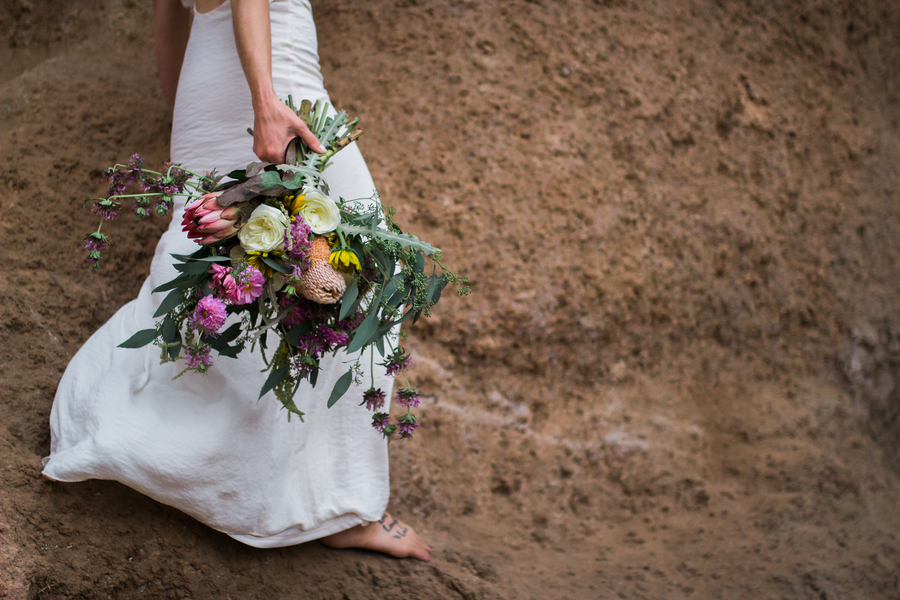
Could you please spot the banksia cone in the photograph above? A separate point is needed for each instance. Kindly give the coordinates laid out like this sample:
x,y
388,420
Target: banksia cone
x,y
206,221
321,282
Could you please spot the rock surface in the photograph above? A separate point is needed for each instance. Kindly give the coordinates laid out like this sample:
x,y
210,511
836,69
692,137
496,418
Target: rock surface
x,y
678,374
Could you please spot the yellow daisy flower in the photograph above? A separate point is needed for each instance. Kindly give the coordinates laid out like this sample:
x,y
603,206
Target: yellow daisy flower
x,y
255,259
296,203
343,259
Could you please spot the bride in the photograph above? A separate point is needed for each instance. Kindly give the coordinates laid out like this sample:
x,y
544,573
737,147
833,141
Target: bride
x,y
204,444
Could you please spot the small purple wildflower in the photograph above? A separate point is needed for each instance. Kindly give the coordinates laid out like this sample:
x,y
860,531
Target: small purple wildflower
x,y
95,242
408,397
382,424
374,398
300,313
198,358
398,361
297,243
106,209
209,316
332,337
408,423
351,322
135,163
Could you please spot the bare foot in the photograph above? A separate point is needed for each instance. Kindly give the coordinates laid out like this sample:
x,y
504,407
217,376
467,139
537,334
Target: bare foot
x,y
389,535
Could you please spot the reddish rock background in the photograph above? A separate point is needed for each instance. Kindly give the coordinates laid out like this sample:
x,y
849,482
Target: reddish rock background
x,y
678,375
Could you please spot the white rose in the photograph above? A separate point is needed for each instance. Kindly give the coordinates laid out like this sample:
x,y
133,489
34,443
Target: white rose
x,y
319,211
264,232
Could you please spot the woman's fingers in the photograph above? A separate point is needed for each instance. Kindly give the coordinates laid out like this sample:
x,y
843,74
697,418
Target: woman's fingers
x,y
303,132
275,125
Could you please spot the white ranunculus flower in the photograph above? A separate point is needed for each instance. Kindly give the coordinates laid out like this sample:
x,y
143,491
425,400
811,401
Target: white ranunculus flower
x,y
319,211
264,232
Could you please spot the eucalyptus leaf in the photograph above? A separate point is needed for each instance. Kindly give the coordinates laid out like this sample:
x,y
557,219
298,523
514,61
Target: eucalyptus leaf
x,y
139,339
182,282
364,332
431,287
276,264
170,331
169,302
184,258
349,300
274,379
397,299
231,351
194,267
340,388
230,334
292,337
202,252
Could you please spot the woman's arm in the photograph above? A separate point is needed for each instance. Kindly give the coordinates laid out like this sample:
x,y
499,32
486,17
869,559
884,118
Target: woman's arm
x,y
172,23
274,124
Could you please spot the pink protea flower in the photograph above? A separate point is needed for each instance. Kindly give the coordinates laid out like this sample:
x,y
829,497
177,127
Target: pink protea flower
x,y
209,316
206,221
243,287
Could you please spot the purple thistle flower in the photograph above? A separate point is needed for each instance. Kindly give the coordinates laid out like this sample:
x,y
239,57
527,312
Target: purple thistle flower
x,y
408,397
374,398
209,316
198,358
398,361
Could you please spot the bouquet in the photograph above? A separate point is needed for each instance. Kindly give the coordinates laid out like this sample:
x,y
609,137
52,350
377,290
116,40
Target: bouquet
x,y
285,259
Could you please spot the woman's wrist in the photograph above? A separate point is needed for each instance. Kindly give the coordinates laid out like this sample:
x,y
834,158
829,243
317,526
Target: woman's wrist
x,y
264,97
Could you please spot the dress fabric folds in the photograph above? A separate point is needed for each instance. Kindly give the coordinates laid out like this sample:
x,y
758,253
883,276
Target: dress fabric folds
x,y
205,444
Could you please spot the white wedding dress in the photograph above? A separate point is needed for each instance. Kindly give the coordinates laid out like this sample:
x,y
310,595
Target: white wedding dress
x,y
205,444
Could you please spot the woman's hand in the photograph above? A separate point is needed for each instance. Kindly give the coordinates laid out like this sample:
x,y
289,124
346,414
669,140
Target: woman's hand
x,y
274,124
